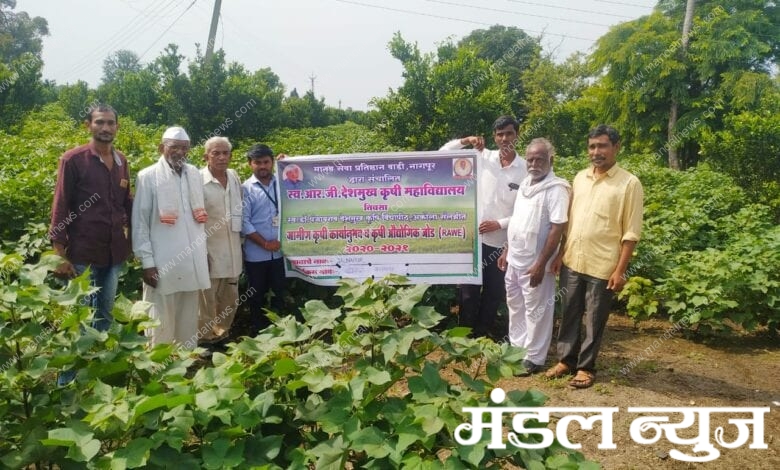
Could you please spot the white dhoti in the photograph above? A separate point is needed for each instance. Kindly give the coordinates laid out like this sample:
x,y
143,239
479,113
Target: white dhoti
x,y
531,312
178,317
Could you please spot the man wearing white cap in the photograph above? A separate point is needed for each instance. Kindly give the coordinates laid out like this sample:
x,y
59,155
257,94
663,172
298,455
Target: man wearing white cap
x,y
170,240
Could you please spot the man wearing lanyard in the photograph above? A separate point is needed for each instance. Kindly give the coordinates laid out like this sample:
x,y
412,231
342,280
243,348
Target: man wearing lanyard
x,y
260,227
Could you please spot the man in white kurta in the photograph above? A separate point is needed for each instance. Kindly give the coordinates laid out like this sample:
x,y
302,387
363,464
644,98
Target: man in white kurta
x,y
534,234
170,240
222,195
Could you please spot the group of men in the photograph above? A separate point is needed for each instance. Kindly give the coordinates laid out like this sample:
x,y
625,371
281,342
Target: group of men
x,y
186,225
535,226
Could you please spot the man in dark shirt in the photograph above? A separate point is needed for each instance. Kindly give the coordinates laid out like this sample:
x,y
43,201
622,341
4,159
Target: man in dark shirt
x,y
91,212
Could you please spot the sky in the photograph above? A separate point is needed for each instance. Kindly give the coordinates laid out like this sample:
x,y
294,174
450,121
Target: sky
x,y
342,44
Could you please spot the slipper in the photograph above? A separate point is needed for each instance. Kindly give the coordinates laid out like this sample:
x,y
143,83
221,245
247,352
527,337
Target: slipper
x,y
583,379
558,370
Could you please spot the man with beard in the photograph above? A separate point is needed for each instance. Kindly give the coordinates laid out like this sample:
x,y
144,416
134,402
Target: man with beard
x,y
91,213
533,235
169,238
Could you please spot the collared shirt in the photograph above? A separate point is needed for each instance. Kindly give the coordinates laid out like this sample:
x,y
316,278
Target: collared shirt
x,y
92,207
496,198
605,212
260,208
223,244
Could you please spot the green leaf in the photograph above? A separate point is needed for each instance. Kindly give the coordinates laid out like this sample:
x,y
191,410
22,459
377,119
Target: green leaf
x,y
473,454
206,400
317,380
284,367
426,317
477,385
376,376
148,404
223,454
135,453
372,441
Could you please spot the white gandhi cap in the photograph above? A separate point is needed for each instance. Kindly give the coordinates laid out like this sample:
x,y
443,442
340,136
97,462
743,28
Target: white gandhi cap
x,y
176,133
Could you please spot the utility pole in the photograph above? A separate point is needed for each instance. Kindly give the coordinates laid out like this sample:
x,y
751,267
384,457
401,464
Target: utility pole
x,y
311,78
674,160
213,29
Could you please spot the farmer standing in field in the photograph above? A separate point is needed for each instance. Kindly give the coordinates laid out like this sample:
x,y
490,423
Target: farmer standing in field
x,y
91,213
169,238
262,255
534,234
605,222
222,194
499,175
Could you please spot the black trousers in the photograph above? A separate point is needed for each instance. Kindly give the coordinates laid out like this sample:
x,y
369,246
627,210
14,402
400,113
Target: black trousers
x,y
478,304
586,300
263,276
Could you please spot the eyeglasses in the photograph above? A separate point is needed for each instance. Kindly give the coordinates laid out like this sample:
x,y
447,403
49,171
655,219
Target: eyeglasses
x,y
178,148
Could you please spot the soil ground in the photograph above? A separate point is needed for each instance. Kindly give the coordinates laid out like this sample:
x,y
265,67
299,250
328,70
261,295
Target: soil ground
x,y
738,371
734,372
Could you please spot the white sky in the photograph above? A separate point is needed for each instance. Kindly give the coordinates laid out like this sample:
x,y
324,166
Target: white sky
x,y
343,43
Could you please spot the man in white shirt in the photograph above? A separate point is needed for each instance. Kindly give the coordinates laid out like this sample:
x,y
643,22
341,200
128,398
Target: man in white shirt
x,y
534,234
499,174
170,240
222,195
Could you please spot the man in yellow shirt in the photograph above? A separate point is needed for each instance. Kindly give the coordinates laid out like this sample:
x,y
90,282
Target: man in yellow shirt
x,y
605,222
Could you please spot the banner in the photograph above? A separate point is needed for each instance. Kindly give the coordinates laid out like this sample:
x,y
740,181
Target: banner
x,y
368,215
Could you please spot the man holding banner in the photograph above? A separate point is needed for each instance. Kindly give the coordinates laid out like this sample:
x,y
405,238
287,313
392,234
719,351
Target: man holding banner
x,y
499,175
262,255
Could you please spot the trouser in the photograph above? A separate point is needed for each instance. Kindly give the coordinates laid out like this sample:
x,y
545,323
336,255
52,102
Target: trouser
x,y
478,304
584,298
264,276
531,312
106,278
218,305
178,317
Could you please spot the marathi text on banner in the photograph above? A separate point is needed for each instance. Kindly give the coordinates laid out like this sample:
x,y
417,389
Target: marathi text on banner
x,y
368,215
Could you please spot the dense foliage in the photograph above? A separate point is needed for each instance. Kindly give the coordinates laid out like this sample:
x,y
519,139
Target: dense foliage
x,y
709,254
358,385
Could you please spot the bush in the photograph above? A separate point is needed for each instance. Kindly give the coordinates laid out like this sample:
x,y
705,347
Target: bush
x,y
357,386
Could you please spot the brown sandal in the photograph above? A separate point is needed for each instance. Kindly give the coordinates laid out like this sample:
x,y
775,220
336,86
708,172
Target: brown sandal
x,y
558,370
583,379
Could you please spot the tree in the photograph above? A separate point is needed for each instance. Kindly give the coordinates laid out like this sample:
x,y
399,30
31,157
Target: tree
x,y
173,85
457,93
641,70
509,50
20,34
20,62
555,105
119,63
75,98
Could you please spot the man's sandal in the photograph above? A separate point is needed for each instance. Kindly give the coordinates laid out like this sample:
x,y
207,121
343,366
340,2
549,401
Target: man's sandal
x,y
583,379
558,370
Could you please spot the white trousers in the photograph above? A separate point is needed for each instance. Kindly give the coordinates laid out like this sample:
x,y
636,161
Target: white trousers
x,y
178,316
218,305
531,311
